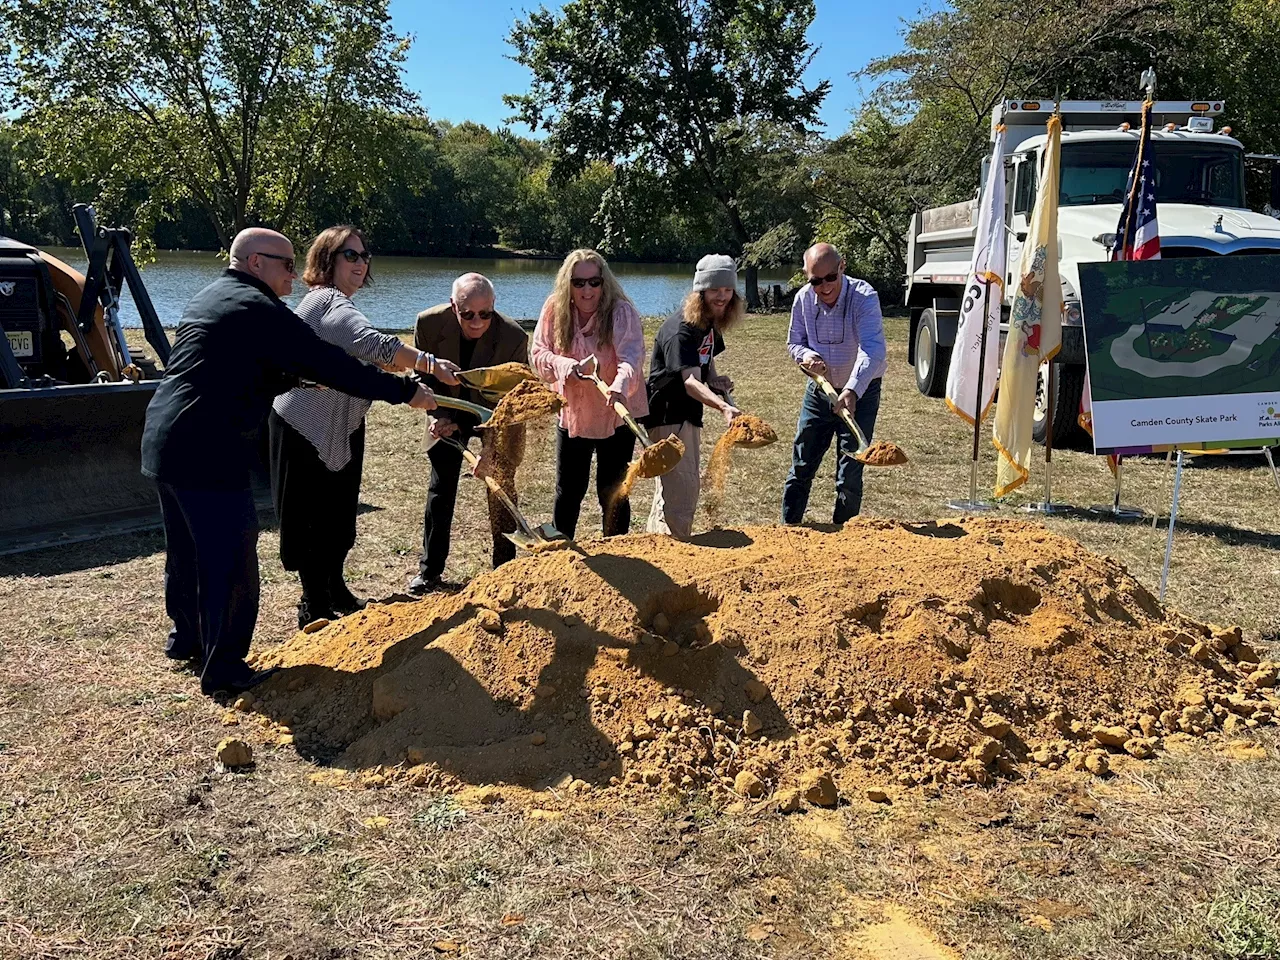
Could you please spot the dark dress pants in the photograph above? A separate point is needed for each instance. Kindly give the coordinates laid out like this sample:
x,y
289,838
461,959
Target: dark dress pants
x,y
442,498
814,430
211,578
316,506
573,475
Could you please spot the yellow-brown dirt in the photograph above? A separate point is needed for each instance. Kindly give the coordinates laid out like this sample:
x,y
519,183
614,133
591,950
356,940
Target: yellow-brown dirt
x,y
747,430
883,453
755,662
527,400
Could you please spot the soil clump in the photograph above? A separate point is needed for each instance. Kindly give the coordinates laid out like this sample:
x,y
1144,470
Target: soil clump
x,y
882,655
883,453
527,400
747,430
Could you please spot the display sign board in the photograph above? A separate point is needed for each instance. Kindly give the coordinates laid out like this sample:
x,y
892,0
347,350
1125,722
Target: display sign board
x,y
1183,352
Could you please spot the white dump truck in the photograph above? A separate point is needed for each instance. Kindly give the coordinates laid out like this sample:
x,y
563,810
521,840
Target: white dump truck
x,y
1200,184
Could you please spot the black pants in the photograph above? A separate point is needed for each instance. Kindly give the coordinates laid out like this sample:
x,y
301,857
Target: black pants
x,y
316,506
573,473
210,578
442,498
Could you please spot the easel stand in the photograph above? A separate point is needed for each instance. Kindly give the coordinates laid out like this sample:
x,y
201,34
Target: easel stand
x,y
1047,507
1114,510
973,504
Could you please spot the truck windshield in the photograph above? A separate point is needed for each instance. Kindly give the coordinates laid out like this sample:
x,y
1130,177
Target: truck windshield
x,y
1186,172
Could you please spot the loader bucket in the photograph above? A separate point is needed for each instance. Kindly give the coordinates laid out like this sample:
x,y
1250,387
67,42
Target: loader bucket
x,y
70,464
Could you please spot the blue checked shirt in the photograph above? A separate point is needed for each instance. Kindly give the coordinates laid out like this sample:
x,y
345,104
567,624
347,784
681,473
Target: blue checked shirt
x,y
848,337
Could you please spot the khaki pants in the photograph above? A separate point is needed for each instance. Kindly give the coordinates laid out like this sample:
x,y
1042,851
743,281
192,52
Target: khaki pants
x,y
675,496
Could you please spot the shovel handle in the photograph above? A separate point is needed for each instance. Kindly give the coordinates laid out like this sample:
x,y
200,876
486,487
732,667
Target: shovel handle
x,y
618,408
833,398
496,490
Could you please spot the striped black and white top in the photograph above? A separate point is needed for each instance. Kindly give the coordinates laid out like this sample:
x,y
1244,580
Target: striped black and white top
x,y
328,417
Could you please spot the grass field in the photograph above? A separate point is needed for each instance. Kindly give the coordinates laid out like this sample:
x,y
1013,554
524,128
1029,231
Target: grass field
x,y
119,839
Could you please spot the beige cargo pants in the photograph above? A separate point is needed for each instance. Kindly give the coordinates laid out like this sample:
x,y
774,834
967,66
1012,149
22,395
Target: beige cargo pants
x,y
675,496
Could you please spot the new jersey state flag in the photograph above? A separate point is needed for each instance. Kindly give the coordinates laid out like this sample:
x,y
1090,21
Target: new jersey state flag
x,y
1035,324
983,298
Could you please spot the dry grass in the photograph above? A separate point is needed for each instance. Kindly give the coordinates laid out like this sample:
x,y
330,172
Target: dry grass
x,y
119,839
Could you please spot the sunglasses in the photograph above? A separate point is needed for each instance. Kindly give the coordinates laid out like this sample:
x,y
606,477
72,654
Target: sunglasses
x,y
483,314
351,256
593,282
288,262
822,281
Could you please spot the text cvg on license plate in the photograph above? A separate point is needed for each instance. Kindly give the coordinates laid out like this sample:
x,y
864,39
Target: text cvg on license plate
x,y
22,343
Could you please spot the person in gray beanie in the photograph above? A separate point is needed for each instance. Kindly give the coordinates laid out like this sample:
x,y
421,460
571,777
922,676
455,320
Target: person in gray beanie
x,y
683,380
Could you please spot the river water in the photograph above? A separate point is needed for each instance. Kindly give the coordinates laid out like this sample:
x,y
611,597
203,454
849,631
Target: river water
x,y
403,286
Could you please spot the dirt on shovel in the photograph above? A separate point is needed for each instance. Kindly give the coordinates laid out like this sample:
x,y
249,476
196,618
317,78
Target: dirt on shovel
x,y
527,400
883,453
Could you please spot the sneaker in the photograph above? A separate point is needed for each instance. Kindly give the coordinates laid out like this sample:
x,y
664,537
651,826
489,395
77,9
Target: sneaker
x,y
420,586
309,613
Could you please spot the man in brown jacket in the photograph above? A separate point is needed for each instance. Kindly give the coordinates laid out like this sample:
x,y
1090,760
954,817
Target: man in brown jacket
x,y
468,332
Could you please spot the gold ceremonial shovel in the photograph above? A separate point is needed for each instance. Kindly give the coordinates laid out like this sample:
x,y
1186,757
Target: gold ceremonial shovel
x,y
893,455
496,381
656,459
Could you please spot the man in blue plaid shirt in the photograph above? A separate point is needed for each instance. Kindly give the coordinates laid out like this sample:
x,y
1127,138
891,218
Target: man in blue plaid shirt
x,y
836,332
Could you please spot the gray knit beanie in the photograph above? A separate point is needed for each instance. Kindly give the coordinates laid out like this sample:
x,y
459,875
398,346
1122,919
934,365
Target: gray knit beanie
x,y
715,270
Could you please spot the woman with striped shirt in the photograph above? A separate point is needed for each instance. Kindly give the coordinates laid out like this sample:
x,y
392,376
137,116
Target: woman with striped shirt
x,y
317,435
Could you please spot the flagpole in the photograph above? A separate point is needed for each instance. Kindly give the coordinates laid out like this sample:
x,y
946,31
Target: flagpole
x,y
973,504
1115,510
1047,506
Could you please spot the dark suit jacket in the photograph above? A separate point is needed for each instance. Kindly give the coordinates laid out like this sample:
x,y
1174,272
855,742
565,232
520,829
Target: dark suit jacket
x,y
438,332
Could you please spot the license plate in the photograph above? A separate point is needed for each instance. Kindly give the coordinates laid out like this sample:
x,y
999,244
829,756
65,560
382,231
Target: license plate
x,y
22,343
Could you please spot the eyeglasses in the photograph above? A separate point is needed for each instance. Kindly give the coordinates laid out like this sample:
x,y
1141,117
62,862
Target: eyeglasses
x,y
482,314
593,282
351,256
288,262
822,281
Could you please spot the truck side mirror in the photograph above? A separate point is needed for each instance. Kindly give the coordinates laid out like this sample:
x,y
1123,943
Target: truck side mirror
x,y
1021,235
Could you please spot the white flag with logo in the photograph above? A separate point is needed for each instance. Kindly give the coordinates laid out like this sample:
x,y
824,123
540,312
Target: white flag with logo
x,y
983,296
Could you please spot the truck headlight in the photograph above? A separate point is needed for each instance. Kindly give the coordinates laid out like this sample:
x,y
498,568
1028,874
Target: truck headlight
x,y
1072,316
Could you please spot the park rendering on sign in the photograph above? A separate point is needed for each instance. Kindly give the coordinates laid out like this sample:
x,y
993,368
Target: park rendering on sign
x,y
1183,352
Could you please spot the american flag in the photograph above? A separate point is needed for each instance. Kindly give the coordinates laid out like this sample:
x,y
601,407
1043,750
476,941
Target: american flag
x,y
1138,233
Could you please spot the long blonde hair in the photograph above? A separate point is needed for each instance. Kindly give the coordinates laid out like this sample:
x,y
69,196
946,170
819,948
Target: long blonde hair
x,y
698,314
562,299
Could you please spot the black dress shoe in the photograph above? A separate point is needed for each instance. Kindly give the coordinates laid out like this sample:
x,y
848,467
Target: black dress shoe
x,y
183,653
238,683
343,601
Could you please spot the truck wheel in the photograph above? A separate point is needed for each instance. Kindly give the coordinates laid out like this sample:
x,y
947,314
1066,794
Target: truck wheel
x,y
932,361
1066,410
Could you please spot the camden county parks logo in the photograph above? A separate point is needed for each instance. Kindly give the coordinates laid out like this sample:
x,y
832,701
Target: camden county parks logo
x,y
1269,413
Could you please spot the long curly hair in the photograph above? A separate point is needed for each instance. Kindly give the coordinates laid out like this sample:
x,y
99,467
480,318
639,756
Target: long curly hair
x,y
561,298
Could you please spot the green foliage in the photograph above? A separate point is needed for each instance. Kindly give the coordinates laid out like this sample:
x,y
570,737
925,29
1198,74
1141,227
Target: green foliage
x,y
1245,926
689,93
440,815
239,106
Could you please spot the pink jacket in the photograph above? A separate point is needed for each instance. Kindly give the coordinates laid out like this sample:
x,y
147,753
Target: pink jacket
x,y
585,412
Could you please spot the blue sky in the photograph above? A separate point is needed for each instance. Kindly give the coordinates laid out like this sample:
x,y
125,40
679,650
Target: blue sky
x,y
458,60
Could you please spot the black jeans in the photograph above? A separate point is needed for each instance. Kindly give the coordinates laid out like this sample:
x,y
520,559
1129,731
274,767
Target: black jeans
x,y
316,506
210,578
442,498
573,474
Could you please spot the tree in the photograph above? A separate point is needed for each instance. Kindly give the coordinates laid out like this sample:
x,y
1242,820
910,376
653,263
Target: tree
x,y
239,106
673,89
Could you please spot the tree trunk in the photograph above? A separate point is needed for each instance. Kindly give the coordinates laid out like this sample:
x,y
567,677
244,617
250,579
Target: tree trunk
x,y
753,286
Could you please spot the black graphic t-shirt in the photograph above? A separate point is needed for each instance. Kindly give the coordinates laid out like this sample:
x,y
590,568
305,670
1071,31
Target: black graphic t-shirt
x,y
678,346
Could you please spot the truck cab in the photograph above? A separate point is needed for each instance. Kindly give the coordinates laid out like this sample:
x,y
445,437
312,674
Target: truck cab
x,y
1201,211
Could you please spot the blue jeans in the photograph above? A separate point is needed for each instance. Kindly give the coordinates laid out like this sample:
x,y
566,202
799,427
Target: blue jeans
x,y
814,430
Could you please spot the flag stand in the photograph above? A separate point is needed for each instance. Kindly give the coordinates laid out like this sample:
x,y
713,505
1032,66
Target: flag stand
x,y
1047,507
973,504
1115,510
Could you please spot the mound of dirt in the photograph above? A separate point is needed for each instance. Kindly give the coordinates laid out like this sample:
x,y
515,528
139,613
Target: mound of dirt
x,y
768,662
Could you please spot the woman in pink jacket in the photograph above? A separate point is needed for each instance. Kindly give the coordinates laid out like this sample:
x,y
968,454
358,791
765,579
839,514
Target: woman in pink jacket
x,y
587,313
